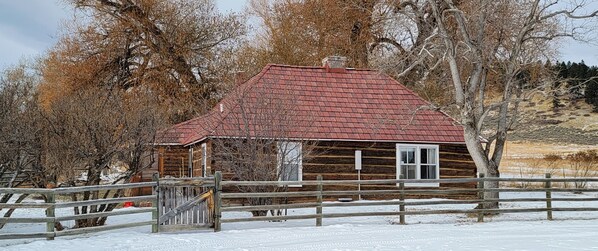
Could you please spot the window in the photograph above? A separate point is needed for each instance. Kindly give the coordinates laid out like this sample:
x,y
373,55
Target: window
x,y
290,161
418,162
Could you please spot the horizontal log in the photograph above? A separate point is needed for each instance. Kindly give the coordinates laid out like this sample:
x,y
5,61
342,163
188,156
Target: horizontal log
x,y
572,190
105,201
540,199
26,205
102,228
406,192
397,202
187,182
105,214
269,195
68,190
343,182
177,228
268,207
25,236
26,220
270,218
394,213
26,190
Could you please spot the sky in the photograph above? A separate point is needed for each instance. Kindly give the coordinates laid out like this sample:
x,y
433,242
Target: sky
x,y
28,28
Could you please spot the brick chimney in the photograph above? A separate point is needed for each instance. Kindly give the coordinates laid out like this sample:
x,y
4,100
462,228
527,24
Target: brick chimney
x,y
335,64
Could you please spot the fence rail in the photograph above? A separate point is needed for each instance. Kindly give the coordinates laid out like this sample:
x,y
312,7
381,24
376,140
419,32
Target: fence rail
x,y
200,202
478,197
50,205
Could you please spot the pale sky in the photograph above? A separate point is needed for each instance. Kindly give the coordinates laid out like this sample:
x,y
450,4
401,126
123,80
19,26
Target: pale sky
x,y
29,27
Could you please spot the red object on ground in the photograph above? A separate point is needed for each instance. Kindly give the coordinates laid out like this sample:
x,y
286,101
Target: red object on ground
x,y
128,204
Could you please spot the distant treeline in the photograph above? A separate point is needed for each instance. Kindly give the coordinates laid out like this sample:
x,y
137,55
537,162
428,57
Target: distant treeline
x,y
580,80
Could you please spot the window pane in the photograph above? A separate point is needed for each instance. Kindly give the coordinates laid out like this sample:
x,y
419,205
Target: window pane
x,y
290,172
409,171
408,156
428,156
428,171
424,156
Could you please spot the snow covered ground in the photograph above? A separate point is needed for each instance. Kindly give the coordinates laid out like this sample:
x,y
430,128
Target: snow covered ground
x,y
528,231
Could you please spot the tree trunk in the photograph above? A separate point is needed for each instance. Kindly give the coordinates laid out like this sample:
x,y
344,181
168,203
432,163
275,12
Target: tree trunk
x,y
483,163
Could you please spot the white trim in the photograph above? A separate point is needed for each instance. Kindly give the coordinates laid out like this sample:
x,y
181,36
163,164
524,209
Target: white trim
x,y
418,147
204,160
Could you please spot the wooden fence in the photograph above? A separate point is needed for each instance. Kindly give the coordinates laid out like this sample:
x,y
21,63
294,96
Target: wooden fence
x,y
51,204
546,187
198,202
185,203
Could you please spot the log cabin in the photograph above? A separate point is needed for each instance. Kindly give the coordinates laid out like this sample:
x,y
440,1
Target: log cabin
x,y
342,116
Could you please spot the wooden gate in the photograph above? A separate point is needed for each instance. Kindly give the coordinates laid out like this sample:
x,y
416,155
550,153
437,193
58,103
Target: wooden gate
x,y
185,204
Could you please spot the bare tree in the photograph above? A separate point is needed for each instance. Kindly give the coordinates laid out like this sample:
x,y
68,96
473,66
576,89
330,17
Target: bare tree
x,y
93,130
261,135
487,48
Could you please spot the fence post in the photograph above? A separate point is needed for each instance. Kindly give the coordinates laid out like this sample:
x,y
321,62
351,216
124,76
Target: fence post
x,y
217,201
402,200
481,197
319,201
548,185
50,213
156,204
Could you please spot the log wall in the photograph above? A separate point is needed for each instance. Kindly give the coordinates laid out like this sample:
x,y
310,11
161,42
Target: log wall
x,y
335,160
173,161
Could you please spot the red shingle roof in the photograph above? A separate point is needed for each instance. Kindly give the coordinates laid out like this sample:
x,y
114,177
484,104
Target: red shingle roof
x,y
314,103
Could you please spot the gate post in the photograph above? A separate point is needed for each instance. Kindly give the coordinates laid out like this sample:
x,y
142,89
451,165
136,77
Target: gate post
x,y
319,201
402,200
50,213
156,204
548,186
217,201
481,197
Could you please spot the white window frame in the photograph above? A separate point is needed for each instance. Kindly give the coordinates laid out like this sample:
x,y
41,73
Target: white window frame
x,y
204,160
418,148
299,160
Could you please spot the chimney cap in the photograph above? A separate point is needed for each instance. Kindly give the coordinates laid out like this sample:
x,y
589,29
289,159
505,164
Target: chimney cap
x,y
334,62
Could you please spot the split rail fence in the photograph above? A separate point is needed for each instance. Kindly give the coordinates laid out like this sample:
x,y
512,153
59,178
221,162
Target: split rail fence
x,y
51,204
198,203
545,186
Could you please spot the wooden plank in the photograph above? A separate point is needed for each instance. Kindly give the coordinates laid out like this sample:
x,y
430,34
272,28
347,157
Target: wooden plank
x,y
184,207
178,228
481,197
271,218
25,236
50,213
67,190
268,207
398,202
548,185
272,195
319,202
101,228
26,190
218,202
26,205
106,214
104,201
26,220
402,200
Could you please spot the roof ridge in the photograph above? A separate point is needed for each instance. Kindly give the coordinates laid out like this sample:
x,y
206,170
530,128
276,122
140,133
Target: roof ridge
x,y
318,67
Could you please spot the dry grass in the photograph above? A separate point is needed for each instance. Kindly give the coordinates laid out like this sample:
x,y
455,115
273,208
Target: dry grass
x,y
534,160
